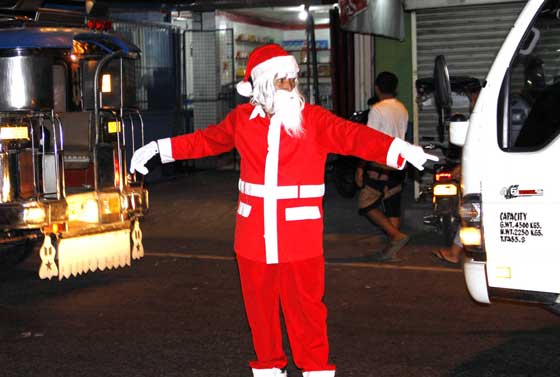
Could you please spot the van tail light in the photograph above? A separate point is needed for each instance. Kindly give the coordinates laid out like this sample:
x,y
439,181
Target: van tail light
x,y
470,210
471,226
470,236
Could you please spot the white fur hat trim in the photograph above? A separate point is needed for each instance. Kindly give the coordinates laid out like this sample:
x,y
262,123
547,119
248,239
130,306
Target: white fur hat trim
x,y
281,65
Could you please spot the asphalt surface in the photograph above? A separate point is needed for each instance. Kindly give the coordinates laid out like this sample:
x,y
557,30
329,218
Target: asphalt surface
x,y
179,312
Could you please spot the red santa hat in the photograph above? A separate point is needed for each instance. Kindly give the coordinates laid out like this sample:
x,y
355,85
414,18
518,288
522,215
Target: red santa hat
x,y
270,58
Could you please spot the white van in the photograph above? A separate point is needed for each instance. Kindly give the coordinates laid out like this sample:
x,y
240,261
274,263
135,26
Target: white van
x,y
511,167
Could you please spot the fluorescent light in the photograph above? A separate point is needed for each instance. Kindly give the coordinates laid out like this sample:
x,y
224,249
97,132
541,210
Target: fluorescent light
x,y
106,83
302,15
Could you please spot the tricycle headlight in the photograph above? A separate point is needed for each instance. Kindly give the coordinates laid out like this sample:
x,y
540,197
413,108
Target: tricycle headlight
x,y
14,133
34,215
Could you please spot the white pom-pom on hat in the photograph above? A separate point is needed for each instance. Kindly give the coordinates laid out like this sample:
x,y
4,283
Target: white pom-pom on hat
x,y
244,88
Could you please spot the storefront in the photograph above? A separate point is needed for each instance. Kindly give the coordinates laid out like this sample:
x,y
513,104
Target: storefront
x,y
468,36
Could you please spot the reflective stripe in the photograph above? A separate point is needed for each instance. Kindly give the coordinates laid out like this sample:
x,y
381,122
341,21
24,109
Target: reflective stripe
x,y
282,192
270,202
303,213
244,209
311,191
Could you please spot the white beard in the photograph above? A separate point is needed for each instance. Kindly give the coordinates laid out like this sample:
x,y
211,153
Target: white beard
x,y
287,107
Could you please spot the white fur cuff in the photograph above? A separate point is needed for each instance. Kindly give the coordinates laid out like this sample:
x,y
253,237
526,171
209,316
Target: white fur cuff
x,y
164,146
272,372
319,373
395,150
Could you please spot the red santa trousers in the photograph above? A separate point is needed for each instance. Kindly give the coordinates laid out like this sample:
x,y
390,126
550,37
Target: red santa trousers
x,y
298,288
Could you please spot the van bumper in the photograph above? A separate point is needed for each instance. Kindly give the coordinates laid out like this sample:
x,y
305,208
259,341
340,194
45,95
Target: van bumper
x,y
475,277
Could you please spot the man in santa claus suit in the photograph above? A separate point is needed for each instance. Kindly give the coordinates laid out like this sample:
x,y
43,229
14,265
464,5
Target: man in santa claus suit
x,y
283,143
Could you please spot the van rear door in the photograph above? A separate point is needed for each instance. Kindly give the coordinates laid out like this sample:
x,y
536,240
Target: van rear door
x,y
521,185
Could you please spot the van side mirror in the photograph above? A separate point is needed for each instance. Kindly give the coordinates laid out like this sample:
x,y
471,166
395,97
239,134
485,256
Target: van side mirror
x,y
442,93
458,127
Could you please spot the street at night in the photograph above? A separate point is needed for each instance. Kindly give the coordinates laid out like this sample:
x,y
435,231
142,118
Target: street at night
x,y
179,311
226,188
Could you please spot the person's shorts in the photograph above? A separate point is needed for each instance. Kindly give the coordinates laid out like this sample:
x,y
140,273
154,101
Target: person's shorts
x,y
368,199
389,200
392,205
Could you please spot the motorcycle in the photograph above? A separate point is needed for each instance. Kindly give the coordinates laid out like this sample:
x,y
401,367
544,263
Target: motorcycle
x,y
446,182
446,193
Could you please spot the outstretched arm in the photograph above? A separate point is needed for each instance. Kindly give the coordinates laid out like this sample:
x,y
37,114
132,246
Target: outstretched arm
x,y
341,136
211,141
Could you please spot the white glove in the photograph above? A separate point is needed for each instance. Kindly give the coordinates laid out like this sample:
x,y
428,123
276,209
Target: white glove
x,y
142,156
416,155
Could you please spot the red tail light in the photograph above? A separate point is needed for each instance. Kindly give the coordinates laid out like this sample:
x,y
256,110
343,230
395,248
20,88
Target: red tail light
x,y
99,25
117,167
443,176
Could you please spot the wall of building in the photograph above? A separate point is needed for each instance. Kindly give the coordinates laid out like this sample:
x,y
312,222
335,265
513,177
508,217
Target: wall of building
x,y
249,34
425,4
396,56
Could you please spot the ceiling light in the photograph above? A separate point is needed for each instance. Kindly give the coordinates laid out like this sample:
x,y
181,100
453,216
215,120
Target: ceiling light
x,y
302,15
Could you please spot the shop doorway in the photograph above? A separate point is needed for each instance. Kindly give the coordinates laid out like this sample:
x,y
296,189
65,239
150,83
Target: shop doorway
x,y
208,85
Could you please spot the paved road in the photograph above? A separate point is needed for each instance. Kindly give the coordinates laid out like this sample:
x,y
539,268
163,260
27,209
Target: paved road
x,y
178,312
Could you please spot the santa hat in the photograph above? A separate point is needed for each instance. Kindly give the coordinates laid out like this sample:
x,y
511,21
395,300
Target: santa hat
x,y
270,58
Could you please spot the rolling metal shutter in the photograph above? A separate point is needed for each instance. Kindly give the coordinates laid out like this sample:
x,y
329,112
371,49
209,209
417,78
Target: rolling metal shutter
x,y
469,37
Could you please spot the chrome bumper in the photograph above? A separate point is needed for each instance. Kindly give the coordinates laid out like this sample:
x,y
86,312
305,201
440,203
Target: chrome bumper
x,y
31,214
137,201
35,214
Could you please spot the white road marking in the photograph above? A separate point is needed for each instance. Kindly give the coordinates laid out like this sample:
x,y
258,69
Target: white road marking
x,y
382,266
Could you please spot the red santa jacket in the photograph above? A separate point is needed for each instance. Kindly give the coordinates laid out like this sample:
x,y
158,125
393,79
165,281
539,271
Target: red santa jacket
x,y
281,186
